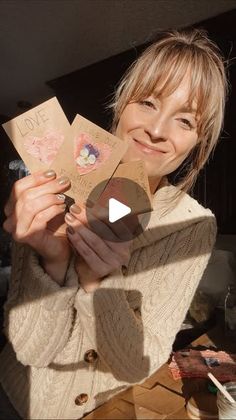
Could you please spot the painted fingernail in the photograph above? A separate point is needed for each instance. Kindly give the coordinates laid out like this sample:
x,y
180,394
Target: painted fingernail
x,y
62,206
124,269
49,174
75,209
70,230
61,197
63,180
69,217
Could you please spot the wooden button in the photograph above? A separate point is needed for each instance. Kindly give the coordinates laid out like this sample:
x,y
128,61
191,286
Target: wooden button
x,y
90,356
81,399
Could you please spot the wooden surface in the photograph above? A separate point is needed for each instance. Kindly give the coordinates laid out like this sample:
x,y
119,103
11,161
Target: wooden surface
x,y
160,396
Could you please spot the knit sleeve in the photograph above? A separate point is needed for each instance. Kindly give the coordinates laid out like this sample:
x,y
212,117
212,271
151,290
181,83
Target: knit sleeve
x,y
162,281
38,313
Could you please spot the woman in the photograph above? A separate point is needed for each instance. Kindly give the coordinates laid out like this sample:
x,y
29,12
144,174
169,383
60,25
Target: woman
x,y
81,327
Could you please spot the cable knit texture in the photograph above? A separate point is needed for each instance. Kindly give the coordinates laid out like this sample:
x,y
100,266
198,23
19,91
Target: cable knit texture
x,y
131,320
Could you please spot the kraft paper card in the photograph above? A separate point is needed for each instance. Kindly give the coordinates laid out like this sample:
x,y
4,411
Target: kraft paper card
x,y
135,194
39,133
89,158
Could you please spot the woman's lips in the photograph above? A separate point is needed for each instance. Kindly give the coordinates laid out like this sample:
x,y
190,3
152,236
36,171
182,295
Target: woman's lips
x,y
146,149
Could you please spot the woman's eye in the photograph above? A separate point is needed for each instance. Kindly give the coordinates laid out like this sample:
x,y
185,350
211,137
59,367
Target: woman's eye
x,y
186,123
147,103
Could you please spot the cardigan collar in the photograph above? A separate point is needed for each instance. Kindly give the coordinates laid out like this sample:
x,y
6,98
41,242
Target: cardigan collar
x,y
171,213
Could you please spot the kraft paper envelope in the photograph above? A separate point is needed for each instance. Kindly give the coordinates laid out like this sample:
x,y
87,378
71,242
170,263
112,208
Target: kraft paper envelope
x,y
89,158
39,133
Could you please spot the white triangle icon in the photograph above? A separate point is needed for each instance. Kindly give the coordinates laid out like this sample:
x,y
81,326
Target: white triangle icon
x,y
117,210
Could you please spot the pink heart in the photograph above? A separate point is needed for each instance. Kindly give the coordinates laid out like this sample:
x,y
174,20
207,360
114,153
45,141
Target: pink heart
x,y
44,148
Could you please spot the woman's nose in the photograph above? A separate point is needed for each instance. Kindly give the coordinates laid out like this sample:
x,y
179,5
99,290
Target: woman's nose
x,y
157,128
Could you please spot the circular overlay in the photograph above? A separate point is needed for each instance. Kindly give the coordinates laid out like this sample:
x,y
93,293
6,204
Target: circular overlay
x,y
118,210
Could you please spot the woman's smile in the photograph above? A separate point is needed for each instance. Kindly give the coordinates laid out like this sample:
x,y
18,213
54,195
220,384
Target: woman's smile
x,y
146,148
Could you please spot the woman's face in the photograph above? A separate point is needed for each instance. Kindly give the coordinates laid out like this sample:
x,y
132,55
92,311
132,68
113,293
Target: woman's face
x,y
160,131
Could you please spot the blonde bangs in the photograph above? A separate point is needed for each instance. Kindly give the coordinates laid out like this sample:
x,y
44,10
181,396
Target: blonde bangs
x,y
161,76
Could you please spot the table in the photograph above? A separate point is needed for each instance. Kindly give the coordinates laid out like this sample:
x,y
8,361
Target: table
x,y
160,396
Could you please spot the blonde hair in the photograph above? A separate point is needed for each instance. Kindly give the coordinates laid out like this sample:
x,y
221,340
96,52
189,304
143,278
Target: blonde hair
x,y
162,67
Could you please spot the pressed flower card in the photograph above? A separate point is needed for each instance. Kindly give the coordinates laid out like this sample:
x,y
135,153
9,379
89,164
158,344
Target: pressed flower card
x,y
39,133
89,158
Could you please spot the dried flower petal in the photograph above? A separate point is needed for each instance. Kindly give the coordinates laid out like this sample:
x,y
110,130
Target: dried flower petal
x,y
80,161
91,159
84,152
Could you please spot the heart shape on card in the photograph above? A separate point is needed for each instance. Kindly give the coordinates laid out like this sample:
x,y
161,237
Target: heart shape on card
x,y
44,148
88,154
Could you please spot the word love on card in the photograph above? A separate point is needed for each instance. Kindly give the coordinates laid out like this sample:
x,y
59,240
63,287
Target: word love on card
x,y
38,134
30,122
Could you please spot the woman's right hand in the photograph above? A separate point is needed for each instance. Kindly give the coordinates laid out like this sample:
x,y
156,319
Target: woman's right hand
x,y
33,202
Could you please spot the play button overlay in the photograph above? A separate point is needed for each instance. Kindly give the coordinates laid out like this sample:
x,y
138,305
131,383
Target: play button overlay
x,y
118,210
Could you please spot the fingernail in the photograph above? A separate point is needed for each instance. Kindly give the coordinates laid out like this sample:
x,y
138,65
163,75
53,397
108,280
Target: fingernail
x,y
69,217
62,206
70,230
49,174
124,269
63,180
75,209
61,197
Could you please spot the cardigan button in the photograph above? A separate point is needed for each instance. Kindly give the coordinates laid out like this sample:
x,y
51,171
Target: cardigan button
x,y
90,356
81,399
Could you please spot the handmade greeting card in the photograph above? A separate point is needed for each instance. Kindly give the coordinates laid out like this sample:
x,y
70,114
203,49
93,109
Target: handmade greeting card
x,y
129,185
89,158
39,133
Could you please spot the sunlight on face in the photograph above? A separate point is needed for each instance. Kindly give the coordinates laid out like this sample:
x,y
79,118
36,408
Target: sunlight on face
x,y
160,131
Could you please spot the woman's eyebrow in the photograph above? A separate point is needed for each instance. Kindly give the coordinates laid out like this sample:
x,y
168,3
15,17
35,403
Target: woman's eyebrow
x,y
188,109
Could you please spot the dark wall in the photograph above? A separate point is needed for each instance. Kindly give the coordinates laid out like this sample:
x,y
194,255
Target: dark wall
x,y
88,91
7,153
216,187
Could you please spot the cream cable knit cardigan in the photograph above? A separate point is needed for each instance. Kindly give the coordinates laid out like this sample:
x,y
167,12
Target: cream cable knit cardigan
x,y
131,321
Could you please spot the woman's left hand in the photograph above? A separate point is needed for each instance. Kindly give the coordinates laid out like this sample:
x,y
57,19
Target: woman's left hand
x,y
102,256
